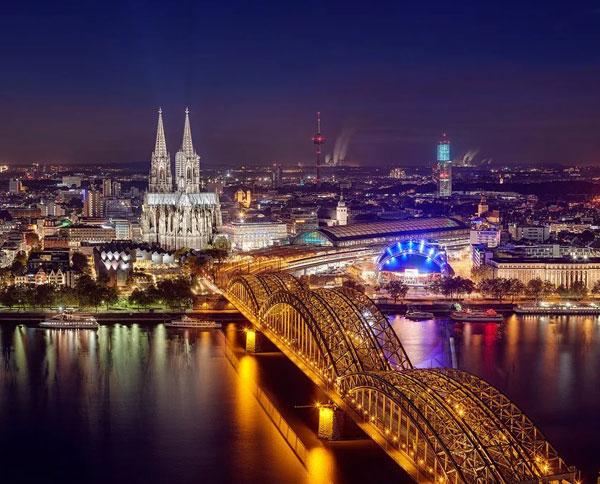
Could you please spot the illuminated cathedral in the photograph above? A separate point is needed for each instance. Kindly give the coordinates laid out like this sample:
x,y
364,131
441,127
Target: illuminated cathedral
x,y
176,214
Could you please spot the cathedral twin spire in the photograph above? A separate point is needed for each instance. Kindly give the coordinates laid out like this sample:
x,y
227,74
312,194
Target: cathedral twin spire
x,y
187,162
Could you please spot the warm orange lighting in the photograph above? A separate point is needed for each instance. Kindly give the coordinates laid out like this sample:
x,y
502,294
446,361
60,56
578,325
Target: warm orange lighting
x,y
320,466
326,415
250,340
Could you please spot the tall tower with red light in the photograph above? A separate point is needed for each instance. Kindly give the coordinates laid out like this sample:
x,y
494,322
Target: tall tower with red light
x,y
443,168
318,140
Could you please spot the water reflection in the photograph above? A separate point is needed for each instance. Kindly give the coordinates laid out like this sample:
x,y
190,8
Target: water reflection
x,y
131,403
321,466
548,365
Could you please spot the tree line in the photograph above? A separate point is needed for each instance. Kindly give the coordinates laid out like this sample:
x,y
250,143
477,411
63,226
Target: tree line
x,y
497,288
88,293
85,293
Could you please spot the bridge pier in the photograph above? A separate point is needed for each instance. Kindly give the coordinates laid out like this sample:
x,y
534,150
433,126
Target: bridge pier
x,y
331,422
253,340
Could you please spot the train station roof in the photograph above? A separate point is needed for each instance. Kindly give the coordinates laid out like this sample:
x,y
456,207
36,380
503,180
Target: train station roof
x,y
382,229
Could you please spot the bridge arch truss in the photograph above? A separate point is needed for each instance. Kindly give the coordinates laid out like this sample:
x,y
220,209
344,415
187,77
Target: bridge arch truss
x,y
442,425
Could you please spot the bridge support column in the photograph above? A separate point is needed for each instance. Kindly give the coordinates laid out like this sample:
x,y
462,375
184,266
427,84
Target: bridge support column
x,y
253,340
331,422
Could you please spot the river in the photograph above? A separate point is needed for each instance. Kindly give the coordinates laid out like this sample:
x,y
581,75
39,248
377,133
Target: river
x,y
143,404
549,366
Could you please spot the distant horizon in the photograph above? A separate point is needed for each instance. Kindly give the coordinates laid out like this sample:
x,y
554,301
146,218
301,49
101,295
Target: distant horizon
x,y
310,164
83,81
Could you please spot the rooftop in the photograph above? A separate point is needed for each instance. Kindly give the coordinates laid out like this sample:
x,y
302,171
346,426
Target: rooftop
x,y
389,228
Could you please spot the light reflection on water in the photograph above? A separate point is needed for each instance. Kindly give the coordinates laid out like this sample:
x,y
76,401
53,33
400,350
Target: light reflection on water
x,y
134,404
549,366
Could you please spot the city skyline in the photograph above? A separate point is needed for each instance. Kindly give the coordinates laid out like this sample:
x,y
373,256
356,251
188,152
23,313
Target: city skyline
x,y
84,81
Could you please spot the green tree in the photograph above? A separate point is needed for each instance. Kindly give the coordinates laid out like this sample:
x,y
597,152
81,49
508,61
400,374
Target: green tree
x,y
43,295
397,289
110,295
143,297
66,296
79,263
14,296
89,293
175,293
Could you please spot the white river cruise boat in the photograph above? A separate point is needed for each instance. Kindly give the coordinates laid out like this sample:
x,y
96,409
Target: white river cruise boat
x,y
193,323
70,321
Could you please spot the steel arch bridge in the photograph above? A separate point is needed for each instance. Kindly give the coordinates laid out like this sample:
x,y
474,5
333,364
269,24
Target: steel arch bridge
x,y
440,425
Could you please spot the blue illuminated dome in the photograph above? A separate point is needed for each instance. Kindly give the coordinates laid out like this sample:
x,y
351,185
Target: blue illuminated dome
x,y
414,255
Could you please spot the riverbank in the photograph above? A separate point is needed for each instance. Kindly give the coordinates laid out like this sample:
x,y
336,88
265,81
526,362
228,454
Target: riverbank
x,y
443,308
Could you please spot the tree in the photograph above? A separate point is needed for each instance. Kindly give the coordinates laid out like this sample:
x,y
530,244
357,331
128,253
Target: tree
x,y
110,295
32,240
222,243
562,291
89,293
175,293
548,289
14,295
194,265
538,288
514,288
65,296
534,288
453,286
143,297
397,289
353,284
19,265
79,263
481,272
496,288
578,290
43,295
596,289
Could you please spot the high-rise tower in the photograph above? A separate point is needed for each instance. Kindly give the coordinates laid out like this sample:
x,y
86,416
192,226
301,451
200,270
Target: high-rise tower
x,y
160,180
187,162
443,169
318,140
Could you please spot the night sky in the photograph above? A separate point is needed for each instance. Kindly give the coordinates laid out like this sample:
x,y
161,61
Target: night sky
x,y
80,81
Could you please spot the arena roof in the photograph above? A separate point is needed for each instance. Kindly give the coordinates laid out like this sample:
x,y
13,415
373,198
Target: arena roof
x,y
390,228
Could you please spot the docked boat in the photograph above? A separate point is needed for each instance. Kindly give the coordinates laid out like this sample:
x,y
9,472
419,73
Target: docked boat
x,y
558,308
416,315
66,320
477,316
193,323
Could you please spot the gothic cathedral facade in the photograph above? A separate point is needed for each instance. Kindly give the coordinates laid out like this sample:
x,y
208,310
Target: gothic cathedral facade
x,y
176,214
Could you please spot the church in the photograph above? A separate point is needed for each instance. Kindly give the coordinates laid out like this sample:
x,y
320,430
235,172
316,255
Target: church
x,y
176,214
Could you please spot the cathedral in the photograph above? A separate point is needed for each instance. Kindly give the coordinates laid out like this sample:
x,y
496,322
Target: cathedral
x,y
176,214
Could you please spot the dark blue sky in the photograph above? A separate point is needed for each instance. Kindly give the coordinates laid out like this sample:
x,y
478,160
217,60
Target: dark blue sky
x,y
81,81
